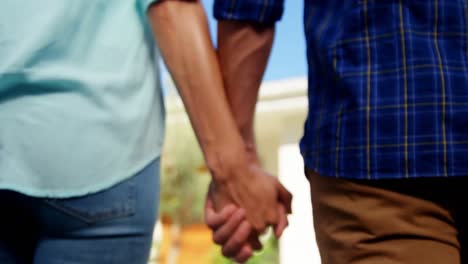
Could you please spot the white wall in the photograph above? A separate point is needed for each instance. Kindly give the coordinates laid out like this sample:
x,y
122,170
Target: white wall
x,y
297,246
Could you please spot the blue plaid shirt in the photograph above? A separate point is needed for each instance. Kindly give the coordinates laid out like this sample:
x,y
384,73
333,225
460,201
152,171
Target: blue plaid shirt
x,y
388,84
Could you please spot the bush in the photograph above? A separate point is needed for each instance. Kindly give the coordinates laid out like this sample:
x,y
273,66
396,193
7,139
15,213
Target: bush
x,y
269,254
184,181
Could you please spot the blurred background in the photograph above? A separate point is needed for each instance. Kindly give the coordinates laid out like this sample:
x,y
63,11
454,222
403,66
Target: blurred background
x,y
181,236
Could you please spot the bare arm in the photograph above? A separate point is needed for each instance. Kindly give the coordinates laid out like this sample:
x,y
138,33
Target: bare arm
x,y
181,30
243,52
182,33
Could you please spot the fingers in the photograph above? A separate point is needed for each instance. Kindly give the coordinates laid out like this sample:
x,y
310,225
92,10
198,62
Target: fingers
x,y
244,254
283,221
260,226
229,228
238,240
273,217
254,241
285,196
213,219
262,221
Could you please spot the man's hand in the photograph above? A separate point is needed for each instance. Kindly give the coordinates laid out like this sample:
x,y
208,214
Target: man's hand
x,y
255,191
230,227
234,233
243,51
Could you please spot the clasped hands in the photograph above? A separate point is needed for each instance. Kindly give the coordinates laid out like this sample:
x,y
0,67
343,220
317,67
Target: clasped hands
x,y
240,208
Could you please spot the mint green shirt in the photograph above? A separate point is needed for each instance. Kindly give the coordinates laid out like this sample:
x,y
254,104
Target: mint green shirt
x,y
80,100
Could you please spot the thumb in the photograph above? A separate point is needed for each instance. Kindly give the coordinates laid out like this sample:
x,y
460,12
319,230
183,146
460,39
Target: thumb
x,y
282,223
285,197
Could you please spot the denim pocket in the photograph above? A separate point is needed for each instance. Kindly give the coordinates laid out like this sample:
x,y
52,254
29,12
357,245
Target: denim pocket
x,y
117,202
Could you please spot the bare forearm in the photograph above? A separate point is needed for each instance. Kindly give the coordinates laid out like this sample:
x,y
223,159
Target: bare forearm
x,y
181,30
243,52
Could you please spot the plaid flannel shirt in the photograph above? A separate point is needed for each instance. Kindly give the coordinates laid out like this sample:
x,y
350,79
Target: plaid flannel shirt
x,y
388,84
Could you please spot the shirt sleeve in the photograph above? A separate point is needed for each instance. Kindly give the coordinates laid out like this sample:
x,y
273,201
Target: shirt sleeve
x,y
262,11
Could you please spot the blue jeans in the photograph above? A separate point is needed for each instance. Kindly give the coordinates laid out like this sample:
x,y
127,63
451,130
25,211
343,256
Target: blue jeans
x,y
112,226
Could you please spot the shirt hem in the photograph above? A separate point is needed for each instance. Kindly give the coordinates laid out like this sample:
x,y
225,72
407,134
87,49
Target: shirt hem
x,y
381,176
70,193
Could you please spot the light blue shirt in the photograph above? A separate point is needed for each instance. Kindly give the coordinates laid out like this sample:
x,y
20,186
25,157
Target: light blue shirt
x,y
80,100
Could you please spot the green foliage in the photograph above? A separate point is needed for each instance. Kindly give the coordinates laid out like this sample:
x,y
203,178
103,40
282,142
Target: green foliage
x,y
269,254
183,180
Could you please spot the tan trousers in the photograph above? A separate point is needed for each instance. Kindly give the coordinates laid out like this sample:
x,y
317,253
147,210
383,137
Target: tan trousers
x,y
411,221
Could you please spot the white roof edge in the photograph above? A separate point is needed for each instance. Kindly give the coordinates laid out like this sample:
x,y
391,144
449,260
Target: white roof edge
x,y
285,87
269,90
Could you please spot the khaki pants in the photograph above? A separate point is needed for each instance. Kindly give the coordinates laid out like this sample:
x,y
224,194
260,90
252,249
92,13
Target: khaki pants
x,y
411,221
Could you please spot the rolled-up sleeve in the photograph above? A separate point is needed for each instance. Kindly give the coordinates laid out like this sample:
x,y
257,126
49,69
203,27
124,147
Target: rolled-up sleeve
x,y
262,11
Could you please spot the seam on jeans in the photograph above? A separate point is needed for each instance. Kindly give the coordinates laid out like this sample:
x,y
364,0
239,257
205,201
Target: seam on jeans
x,y
125,209
68,211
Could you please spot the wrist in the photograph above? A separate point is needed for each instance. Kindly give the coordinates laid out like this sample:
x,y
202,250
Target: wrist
x,y
223,162
251,151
